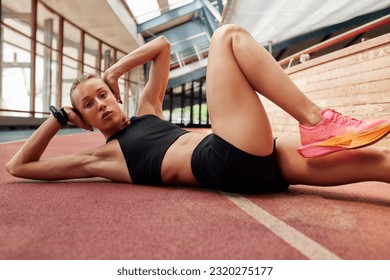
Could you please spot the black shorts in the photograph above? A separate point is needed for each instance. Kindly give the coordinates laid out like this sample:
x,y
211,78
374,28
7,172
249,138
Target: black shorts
x,y
217,164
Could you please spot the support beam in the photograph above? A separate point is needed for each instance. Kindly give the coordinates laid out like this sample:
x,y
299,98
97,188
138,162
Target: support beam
x,y
200,100
169,16
1,63
47,60
60,61
182,103
192,99
220,6
34,9
170,104
163,5
193,75
216,14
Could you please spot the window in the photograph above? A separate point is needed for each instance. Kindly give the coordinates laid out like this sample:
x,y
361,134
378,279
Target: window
x,y
144,10
91,55
56,62
17,14
72,41
16,71
47,27
148,9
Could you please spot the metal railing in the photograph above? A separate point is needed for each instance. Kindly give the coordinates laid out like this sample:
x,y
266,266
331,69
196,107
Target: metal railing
x,y
192,49
337,39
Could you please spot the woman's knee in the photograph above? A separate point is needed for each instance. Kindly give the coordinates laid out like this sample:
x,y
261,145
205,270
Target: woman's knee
x,y
227,32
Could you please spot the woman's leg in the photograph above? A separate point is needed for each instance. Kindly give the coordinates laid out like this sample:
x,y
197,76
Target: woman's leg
x,y
369,164
238,67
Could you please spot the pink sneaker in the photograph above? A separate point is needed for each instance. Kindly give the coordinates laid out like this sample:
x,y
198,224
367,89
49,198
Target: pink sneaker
x,y
337,132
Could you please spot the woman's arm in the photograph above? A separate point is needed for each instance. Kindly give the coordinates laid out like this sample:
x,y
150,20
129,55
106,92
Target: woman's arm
x,y
157,51
26,162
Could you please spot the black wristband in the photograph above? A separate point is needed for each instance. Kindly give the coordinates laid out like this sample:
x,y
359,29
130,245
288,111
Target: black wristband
x,y
61,116
64,114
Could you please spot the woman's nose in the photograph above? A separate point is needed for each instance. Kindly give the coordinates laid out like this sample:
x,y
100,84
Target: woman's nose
x,y
101,105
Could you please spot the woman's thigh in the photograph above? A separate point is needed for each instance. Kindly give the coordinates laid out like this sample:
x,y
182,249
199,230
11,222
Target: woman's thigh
x,y
235,110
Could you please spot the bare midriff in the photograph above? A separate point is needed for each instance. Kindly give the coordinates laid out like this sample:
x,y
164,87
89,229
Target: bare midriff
x,y
176,165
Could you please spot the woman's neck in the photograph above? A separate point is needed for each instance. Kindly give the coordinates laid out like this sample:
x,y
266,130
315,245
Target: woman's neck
x,y
109,132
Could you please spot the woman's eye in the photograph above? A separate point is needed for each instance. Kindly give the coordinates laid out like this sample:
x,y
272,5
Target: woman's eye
x,y
103,94
88,105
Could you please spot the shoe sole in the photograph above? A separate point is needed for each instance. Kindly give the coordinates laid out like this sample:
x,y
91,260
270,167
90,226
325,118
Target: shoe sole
x,y
346,142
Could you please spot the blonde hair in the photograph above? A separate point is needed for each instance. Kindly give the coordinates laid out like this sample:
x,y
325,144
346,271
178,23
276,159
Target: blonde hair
x,y
82,78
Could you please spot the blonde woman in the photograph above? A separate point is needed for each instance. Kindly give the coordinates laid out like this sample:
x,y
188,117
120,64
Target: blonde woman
x,y
241,155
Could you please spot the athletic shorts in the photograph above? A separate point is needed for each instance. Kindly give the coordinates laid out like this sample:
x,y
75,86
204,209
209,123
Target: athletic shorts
x,y
218,165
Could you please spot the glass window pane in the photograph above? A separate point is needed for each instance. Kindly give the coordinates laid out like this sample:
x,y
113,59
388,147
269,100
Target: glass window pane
x,y
48,27
72,41
17,14
16,72
91,70
119,55
91,52
70,71
74,64
16,89
46,76
107,57
16,47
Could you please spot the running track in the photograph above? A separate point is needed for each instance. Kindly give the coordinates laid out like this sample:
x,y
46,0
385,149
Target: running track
x,y
100,219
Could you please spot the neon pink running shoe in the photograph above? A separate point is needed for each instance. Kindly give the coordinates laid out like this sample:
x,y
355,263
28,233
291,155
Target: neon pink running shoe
x,y
337,132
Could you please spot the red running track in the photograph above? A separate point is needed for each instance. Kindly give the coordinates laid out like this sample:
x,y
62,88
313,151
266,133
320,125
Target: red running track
x,y
100,219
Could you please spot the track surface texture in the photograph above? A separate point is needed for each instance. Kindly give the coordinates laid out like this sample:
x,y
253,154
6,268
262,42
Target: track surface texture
x,y
99,219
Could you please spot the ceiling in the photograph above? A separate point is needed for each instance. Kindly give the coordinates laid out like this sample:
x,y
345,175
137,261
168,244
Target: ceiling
x,y
274,21
104,19
280,20
289,25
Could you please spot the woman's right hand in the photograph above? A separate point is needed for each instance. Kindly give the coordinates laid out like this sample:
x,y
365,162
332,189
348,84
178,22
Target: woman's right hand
x,y
76,119
112,83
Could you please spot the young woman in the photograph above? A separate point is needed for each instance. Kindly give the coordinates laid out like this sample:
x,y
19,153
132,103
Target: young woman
x,y
241,155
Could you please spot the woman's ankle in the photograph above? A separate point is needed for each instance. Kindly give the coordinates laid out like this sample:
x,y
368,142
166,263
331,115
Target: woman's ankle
x,y
312,117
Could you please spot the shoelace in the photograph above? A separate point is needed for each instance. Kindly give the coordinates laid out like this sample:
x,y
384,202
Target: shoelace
x,y
345,119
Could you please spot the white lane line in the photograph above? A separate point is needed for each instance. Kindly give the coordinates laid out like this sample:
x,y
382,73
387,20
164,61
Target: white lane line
x,y
296,239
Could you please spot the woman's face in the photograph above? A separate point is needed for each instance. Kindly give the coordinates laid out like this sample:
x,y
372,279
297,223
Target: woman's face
x,y
98,106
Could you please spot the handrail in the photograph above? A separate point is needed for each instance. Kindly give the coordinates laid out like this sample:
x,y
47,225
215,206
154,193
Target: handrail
x,y
194,52
190,38
23,111
342,37
213,11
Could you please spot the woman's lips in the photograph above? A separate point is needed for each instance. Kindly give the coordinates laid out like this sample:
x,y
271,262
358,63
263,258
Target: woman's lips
x,y
105,114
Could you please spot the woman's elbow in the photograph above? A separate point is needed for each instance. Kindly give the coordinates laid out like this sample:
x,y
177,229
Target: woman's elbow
x,y
15,168
22,171
11,169
164,41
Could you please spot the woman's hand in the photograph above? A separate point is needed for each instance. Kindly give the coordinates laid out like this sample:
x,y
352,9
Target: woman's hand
x,y
75,118
112,83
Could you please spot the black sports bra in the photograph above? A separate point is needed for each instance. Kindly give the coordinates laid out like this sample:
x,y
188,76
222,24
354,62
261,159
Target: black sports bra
x,y
144,143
